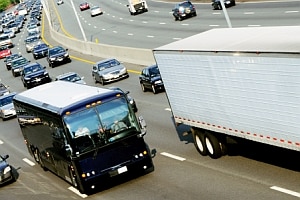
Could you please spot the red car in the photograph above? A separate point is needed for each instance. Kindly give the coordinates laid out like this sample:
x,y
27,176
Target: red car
x,y
84,6
4,51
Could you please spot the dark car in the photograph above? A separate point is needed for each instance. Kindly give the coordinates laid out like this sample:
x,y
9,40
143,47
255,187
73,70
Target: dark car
x,y
109,70
57,55
40,50
34,74
9,58
17,65
6,171
216,4
129,98
184,10
4,90
150,79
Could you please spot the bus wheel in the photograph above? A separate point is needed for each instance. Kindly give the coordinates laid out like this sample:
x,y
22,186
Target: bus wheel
x,y
213,145
200,142
36,155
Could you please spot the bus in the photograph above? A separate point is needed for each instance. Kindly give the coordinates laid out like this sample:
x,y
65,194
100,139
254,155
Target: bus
x,y
83,134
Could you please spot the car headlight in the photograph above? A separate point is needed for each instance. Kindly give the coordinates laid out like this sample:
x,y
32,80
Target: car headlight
x,y
158,82
51,59
66,55
5,93
122,71
7,169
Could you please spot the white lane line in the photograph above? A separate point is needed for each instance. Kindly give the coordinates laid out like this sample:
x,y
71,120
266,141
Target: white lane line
x,y
291,11
77,192
29,162
168,109
1,142
172,156
214,25
253,25
150,36
286,191
248,13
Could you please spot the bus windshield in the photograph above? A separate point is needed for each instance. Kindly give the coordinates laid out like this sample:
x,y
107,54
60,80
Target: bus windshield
x,y
101,125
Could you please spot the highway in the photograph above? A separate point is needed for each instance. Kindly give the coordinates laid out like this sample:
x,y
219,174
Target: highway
x,y
250,171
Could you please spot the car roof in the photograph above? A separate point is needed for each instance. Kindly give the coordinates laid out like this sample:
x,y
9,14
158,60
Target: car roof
x,y
8,95
66,75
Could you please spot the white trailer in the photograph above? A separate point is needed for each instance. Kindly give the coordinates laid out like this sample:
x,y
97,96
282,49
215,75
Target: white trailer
x,y
235,82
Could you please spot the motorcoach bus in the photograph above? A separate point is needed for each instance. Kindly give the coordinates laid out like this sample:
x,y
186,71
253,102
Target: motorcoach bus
x,y
83,134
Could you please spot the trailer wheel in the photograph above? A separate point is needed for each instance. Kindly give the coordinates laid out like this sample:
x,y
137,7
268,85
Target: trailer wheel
x,y
200,143
213,146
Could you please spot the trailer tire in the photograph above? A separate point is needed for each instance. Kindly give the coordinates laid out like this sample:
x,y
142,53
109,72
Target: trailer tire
x,y
200,142
213,146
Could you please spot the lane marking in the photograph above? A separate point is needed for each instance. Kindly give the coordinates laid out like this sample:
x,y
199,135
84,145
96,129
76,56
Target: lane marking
x,y
292,11
172,156
168,109
248,13
29,162
77,192
286,191
1,142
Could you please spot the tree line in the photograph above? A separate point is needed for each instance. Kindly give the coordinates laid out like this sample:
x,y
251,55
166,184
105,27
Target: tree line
x,y
5,4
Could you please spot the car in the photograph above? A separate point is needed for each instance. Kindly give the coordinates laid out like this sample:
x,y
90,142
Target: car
x,y
84,6
17,65
184,10
216,4
96,10
108,70
34,74
9,33
150,79
5,40
4,89
9,58
32,28
14,27
4,52
31,41
40,50
56,55
59,2
129,98
6,171
34,33
7,109
71,77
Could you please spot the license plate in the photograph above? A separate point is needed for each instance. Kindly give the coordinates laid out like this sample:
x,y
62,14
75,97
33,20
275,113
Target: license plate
x,y
38,80
122,170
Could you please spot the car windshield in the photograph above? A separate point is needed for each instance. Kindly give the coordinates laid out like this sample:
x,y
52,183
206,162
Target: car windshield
x,y
56,50
40,46
154,71
107,64
19,62
5,101
71,78
4,37
31,39
96,125
31,69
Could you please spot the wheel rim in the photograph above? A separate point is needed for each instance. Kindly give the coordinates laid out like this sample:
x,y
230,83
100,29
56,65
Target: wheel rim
x,y
209,146
199,143
153,89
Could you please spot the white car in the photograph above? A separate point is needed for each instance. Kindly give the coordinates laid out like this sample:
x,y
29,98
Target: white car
x,y
9,32
7,109
96,10
33,28
59,2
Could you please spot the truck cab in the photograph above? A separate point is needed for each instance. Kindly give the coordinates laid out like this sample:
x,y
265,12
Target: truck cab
x,y
137,6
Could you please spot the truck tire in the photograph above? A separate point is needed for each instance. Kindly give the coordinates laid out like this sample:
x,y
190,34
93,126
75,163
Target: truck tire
x,y
199,142
213,145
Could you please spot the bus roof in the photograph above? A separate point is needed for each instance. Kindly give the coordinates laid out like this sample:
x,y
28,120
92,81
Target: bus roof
x,y
58,96
274,39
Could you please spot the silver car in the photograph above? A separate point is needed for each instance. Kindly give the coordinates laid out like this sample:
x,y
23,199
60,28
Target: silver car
x,y
71,77
7,109
109,70
31,41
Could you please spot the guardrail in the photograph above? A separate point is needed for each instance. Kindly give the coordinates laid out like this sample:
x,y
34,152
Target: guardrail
x,y
125,54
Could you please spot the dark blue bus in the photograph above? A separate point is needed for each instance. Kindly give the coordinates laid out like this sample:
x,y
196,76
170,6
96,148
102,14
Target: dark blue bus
x,y
84,134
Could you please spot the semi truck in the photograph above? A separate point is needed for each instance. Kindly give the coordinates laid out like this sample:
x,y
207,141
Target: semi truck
x,y
235,83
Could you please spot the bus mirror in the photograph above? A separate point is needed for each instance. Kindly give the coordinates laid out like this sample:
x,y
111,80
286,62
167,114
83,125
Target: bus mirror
x,y
153,153
68,150
142,122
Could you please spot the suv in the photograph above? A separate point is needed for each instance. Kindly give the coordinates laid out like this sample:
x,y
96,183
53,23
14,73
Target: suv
x,y
150,79
216,4
34,74
184,10
56,55
109,70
